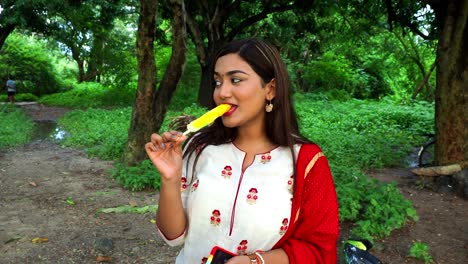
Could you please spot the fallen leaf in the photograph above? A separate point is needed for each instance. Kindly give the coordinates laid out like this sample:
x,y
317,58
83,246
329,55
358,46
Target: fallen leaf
x,y
33,184
103,259
40,240
133,203
70,201
153,221
13,239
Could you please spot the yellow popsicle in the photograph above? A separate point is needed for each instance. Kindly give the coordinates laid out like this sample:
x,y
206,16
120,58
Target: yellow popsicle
x,y
207,118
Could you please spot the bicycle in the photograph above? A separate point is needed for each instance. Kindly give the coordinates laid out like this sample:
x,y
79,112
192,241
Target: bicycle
x,y
426,152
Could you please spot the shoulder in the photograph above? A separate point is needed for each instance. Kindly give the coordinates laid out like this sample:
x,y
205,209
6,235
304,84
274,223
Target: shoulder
x,y
308,151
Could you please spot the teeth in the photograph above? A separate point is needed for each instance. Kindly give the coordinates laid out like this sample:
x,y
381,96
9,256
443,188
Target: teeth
x,y
207,118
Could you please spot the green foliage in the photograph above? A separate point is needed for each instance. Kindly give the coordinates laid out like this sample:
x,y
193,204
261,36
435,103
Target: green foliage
x,y
390,130
20,97
91,94
421,251
119,69
103,133
333,72
359,135
15,127
138,177
188,85
385,210
31,65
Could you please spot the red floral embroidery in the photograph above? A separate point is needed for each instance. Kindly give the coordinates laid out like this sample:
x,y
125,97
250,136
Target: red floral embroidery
x,y
252,196
215,218
266,158
227,172
204,259
284,226
183,185
195,186
242,247
291,183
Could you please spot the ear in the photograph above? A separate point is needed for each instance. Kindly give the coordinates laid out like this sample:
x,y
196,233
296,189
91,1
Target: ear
x,y
271,89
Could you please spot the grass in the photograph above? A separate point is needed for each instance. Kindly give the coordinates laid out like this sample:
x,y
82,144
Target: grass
x,y
421,251
15,127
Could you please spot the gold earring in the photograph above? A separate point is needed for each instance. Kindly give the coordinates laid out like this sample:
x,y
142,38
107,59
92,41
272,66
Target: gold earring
x,y
269,107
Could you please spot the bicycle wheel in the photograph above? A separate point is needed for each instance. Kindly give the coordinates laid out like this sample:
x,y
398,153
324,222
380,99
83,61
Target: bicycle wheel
x,y
426,155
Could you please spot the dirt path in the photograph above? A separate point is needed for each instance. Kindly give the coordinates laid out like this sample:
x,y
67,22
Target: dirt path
x,y
53,192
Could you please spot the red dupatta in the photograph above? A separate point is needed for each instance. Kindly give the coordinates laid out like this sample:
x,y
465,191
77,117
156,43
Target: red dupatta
x,y
314,225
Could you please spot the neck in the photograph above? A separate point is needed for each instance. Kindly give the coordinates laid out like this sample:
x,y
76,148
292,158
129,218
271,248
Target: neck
x,y
253,139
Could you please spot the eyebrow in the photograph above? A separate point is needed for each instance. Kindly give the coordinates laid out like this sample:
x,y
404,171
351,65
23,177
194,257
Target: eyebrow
x,y
232,72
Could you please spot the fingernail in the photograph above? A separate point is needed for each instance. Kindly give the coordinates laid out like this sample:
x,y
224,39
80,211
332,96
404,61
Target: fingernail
x,y
163,146
155,148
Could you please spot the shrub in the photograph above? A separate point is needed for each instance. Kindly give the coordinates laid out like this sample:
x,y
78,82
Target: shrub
x,y
31,64
421,251
91,94
16,128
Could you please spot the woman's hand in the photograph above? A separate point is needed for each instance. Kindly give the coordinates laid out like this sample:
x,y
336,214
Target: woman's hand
x,y
165,151
243,259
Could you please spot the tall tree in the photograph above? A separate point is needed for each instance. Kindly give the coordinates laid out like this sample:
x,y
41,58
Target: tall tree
x,y
84,27
213,23
452,81
22,14
150,104
449,26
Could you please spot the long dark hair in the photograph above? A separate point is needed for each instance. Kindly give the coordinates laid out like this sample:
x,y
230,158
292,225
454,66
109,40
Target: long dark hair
x,y
281,124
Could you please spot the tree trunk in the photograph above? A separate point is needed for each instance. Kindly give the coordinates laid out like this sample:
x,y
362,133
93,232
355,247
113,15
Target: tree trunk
x,y
142,123
4,33
425,81
451,110
205,93
150,106
176,64
91,72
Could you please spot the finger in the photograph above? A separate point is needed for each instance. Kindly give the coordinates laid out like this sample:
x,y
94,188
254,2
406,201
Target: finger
x,y
150,148
169,136
157,140
180,139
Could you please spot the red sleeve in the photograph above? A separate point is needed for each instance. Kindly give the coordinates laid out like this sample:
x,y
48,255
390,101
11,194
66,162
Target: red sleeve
x,y
315,234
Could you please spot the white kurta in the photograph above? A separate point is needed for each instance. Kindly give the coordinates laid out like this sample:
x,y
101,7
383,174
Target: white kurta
x,y
241,211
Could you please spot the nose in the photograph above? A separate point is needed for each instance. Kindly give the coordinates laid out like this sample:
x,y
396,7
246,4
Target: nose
x,y
224,90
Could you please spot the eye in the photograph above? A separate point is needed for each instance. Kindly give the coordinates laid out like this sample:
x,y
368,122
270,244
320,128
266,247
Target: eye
x,y
235,80
216,83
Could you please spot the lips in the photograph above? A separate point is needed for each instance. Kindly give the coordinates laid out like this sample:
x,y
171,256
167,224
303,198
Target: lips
x,y
231,111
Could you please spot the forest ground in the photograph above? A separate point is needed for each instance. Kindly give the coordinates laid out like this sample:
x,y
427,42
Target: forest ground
x,y
47,191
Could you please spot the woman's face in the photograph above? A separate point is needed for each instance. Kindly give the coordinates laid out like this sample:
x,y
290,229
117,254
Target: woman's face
x,y
237,84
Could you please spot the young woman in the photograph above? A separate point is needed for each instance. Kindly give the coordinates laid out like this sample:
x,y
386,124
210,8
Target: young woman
x,y
249,183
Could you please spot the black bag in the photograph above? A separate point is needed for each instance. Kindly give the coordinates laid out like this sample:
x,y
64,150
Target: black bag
x,y
356,252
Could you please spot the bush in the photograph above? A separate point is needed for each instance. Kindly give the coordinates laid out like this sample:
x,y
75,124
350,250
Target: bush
x,y
102,133
332,73
137,178
421,251
31,64
358,135
16,128
91,94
